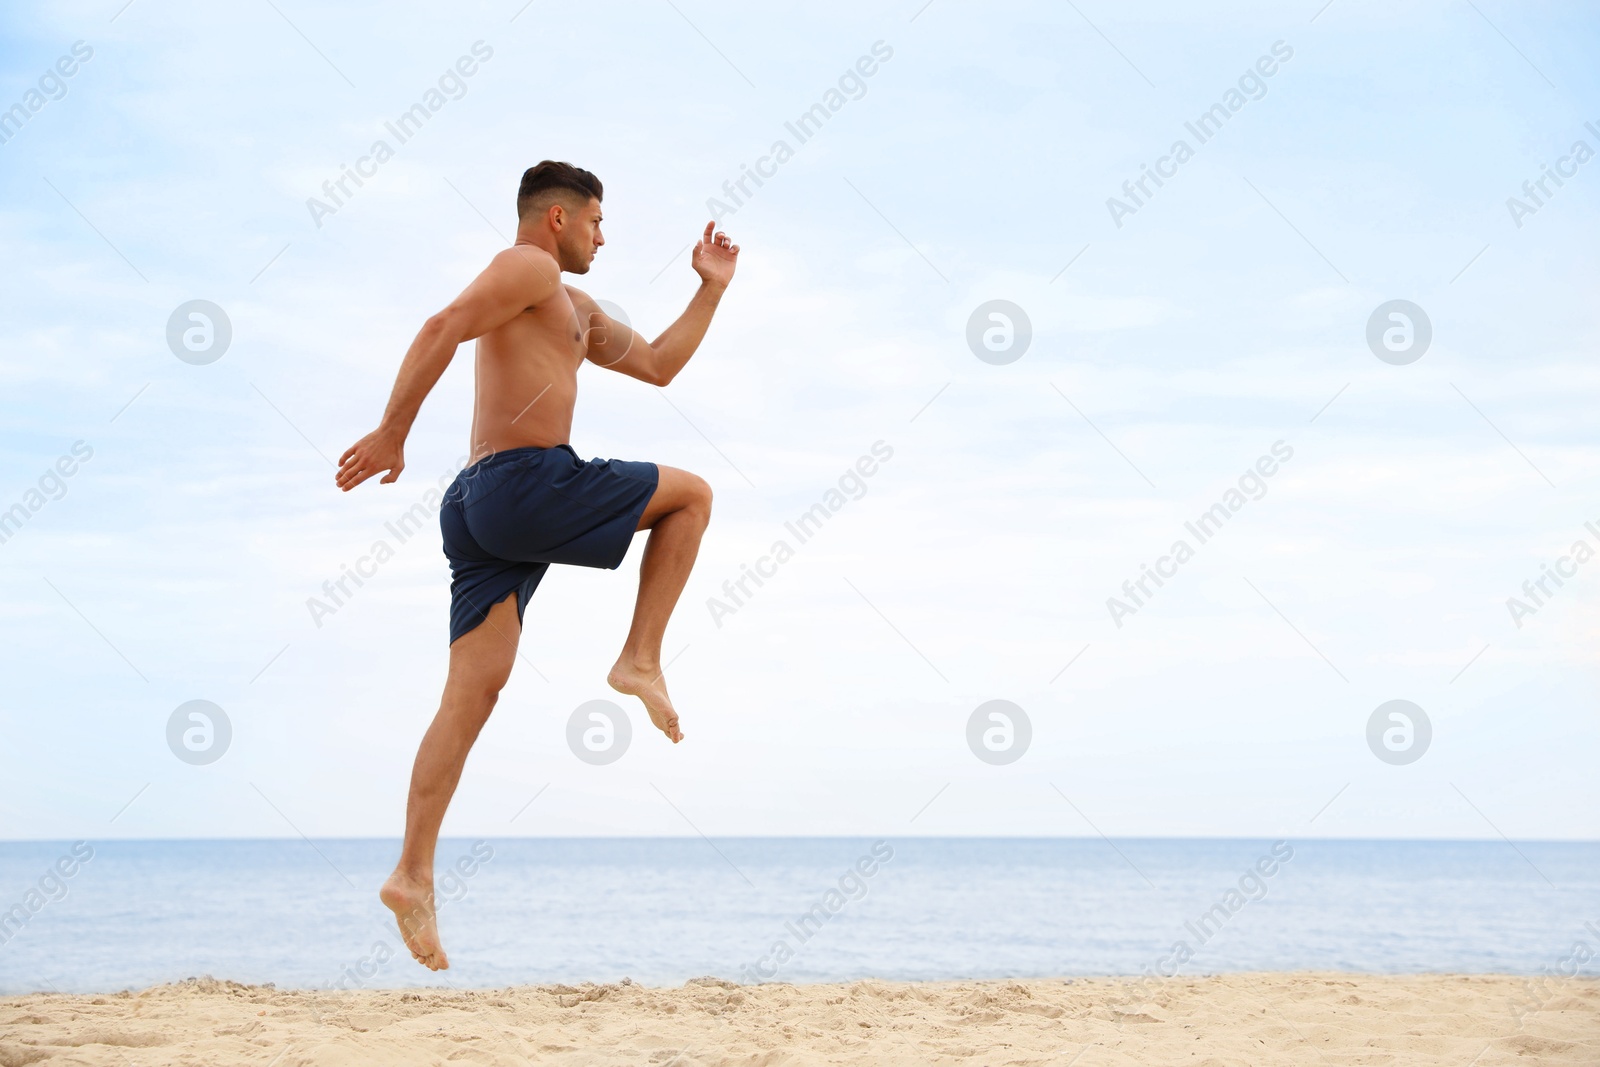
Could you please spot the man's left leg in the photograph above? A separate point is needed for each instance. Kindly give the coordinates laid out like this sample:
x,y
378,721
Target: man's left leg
x,y
676,518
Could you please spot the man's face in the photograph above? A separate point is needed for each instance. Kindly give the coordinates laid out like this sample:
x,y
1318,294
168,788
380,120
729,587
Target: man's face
x,y
580,237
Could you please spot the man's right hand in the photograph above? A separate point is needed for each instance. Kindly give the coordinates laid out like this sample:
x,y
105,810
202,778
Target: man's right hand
x,y
380,450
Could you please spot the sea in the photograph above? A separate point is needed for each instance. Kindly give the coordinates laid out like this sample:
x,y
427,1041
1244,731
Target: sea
x,y
304,913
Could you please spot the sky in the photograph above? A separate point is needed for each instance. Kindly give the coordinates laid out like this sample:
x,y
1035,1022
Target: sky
x,y
1195,343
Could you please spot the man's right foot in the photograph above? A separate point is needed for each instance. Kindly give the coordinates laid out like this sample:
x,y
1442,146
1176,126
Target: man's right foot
x,y
412,904
651,688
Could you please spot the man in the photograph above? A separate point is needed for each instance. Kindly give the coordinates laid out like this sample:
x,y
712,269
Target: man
x,y
526,500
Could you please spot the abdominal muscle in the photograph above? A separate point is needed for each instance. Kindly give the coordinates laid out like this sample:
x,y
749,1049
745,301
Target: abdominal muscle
x,y
526,380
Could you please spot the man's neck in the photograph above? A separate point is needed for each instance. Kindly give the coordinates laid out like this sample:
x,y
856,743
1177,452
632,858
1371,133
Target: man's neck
x,y
543,239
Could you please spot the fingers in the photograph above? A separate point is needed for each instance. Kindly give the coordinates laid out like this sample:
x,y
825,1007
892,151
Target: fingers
x,y
717,238
361,461
347,482
358,470
350,464
350,470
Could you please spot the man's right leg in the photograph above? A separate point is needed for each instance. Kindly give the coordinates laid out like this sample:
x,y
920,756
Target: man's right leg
x,y
480,664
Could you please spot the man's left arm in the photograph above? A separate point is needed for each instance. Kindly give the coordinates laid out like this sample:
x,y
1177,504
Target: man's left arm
x,y
615,346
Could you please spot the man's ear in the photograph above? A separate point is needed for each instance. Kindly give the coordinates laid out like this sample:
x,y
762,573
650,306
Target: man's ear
x,y
559,218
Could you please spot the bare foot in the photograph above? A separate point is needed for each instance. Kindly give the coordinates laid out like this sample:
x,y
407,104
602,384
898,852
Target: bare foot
x,y
412,904
650,687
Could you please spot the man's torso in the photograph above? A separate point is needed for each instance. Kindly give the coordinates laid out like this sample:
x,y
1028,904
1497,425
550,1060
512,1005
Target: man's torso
x,y
526,375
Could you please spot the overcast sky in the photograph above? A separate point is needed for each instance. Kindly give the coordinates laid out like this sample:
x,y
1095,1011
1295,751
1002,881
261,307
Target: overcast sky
x,y
1178,336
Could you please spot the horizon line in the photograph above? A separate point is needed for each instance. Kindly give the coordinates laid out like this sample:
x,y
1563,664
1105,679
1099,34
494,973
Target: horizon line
x,y
817,837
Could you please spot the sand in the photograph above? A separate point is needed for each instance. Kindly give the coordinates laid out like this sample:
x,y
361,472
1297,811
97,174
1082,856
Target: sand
x,y
1246,1019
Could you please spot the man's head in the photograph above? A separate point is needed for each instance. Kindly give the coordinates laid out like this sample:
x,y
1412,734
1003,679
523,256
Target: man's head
x,y
563,201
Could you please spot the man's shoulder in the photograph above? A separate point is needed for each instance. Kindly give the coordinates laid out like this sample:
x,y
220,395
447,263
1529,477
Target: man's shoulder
x,y
529,264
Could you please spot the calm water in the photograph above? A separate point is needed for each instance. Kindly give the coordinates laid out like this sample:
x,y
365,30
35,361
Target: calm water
x,y
664,910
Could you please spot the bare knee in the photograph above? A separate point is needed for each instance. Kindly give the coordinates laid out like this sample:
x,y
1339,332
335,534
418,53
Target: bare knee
x,y
486,694
470,697
678,493
698,498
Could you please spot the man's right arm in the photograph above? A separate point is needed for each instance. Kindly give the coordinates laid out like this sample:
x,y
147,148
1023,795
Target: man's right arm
x,y
518,278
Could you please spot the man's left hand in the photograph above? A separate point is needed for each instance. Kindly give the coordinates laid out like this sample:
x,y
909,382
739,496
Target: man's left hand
x,y
714,257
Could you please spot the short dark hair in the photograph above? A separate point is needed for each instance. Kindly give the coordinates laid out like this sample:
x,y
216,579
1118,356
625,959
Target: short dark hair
x,y
548,181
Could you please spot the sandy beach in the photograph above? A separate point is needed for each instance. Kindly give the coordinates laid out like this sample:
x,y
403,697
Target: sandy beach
x,y
1248,1019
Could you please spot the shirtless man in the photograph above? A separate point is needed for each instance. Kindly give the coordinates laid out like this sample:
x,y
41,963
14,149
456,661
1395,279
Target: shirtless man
x,y
526,500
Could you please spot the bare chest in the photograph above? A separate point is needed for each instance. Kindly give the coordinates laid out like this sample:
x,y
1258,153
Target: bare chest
x,y
546,336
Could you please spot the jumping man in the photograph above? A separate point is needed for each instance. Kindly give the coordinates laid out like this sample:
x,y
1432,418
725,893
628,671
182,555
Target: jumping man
x,y
526,500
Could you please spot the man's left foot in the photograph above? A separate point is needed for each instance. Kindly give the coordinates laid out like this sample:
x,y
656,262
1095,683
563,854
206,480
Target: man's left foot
x,y
650,687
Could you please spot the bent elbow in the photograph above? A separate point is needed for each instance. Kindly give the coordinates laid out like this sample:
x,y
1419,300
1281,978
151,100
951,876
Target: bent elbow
x,y
445,324
662,378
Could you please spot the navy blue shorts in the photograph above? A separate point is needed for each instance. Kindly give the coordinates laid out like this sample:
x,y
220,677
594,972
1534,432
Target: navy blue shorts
x,y
510,515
